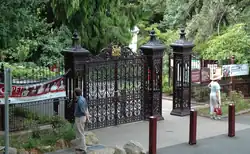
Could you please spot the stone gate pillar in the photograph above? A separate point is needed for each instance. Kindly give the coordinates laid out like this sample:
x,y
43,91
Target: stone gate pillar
x,y
182,52
74,61
153,51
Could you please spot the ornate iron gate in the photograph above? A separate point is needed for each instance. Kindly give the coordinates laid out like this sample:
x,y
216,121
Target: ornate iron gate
x,y
112,83
120,86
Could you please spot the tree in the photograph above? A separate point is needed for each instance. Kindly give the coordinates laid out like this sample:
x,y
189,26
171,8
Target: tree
x,y
26,36
99,22
233,41
203,18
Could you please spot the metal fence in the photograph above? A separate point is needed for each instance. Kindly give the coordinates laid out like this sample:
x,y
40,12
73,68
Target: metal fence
x,y
25,114
30,73
32,114
200,71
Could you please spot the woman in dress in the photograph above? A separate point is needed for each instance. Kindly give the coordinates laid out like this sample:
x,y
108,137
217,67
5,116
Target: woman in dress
x,y
215,100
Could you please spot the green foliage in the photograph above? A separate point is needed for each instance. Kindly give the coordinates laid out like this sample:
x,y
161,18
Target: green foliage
x,y
39,138
165,86
153,11
25,113
33,118
36,132
175,14
57,122
200,93
31,143
29,71
234,41
25,34
202,18
50,48
215,21
99,22
235,98
224,97
66,132
165,37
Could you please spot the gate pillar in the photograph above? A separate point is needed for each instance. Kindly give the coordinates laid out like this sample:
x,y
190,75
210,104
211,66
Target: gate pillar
x,y
153,51
72,57
182,51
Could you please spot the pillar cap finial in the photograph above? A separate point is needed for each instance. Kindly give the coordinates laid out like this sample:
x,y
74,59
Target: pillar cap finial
x,y
153,42
182,33
75,39
152,35
76,45
182,42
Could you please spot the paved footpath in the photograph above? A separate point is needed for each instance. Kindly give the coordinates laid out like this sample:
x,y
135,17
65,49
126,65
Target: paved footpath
x,y
221,144
173,133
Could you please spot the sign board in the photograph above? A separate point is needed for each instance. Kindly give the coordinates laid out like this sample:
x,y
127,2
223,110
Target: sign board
x,y
33,92
226,70
235,70
195,75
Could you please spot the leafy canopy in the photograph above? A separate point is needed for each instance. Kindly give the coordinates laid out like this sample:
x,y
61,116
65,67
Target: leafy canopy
x,y
234,41
25,34
99,22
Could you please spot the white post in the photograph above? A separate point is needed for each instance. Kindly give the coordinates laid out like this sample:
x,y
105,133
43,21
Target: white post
x,y
133,44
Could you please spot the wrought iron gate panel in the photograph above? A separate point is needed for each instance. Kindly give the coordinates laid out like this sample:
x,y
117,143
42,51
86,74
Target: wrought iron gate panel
x,y
113,87
130,90
100,93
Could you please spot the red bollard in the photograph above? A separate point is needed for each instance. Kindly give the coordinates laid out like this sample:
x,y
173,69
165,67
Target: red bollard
x,y
152,134
192,127
231,120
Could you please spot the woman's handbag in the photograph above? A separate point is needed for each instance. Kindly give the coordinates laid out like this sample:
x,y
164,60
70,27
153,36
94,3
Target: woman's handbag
x,y
217,110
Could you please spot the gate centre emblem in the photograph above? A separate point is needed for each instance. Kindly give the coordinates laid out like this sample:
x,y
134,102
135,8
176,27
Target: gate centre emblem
x,y
116,51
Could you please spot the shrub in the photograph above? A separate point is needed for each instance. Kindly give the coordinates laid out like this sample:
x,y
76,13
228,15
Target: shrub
x,y
39,138
23,112
236,96
165,86
66,132
29,71
57,122
31,143
200,93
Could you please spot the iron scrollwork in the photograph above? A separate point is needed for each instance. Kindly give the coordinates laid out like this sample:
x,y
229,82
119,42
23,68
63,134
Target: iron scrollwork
x,y
113,83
